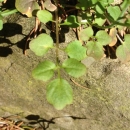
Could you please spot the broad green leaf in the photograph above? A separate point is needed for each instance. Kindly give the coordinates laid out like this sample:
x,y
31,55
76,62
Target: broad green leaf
x,y
103,38
76,50
1,24
41,44
114,12
94,50
71,21
59,93
127,38
99,21
123,51
110,1
44,70
74,67
44,16
86,33
26,6
94,1
99,9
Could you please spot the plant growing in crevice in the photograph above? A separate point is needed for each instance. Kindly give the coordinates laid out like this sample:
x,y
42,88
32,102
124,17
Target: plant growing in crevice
x,y
98,25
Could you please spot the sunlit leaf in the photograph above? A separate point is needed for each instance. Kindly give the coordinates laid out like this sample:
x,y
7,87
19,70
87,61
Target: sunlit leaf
x,y
44,70
123,51
95,50
71,21
99,21
114,12
76,50
112,34
74,68
44,16
41,44
86,33
103,38
59,93
26,6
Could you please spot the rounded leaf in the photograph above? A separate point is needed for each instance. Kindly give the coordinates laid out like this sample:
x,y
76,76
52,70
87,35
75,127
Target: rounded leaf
x,y
41,44
74,67
76,50
95,50
44,16
26,6
86,33
114,12
44,70
103,38
123,51
59,93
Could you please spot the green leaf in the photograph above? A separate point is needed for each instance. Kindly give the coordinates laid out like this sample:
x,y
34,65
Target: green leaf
x,y
86,33
114,12
44,70
99,21
1,24
59,93
74,67
76,50
41,44
94,50
103,38
44,16
26,6
123,51
71,21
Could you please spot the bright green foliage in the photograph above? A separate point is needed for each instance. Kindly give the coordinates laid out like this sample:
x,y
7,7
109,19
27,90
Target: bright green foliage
x,y
41,44
95,47
59,93
44,16
74,67
76,50
44,71
26,6
95,50
103,38
114,12
123,51
99,21
71,21
86,33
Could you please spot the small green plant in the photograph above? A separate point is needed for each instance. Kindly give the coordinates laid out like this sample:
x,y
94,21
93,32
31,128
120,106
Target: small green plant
x,y
99,24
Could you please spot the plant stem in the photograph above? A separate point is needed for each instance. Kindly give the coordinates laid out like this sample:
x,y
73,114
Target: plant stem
x,y
57,36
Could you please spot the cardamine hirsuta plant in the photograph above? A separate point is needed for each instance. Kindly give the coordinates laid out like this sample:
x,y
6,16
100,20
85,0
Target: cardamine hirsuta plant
x,y
100,25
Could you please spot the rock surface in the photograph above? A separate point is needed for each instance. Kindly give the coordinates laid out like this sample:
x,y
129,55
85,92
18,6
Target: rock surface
x,y
102,105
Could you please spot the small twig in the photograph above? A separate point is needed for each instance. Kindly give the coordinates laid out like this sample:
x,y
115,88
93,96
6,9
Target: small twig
x,y
119,38
79,84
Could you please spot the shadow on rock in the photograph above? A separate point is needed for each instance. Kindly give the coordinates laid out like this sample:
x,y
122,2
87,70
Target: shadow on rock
x,y
5,51
43,123
11,29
